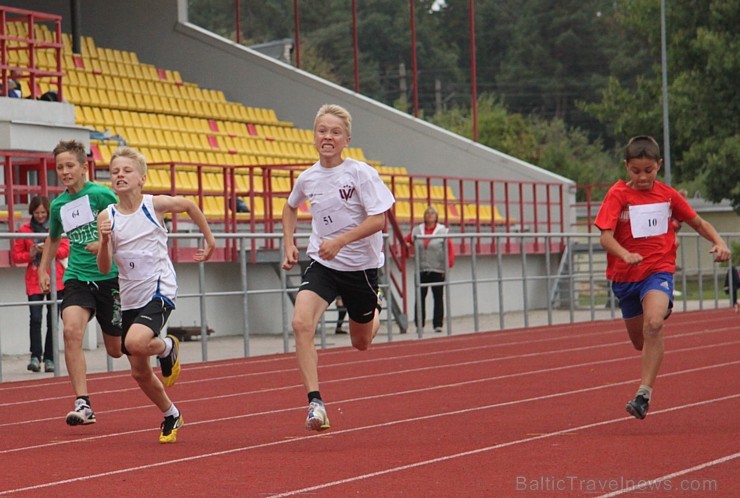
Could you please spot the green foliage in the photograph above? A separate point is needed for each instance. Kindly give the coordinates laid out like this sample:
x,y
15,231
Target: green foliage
x,y
574,80
548,144
703,71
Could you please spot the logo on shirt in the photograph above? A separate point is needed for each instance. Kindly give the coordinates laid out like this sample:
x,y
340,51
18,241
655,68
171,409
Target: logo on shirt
x,y
346,192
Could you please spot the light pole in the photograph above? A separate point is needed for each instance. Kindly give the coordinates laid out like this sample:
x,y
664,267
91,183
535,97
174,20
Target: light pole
x,y
664,70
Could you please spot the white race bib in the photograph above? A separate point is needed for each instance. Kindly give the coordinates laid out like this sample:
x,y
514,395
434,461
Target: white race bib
x,y
76,213
649,220
330,216
134,265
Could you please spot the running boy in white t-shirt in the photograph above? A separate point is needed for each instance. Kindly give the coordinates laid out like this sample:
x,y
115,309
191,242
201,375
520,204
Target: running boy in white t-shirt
x,y
348,201
133,234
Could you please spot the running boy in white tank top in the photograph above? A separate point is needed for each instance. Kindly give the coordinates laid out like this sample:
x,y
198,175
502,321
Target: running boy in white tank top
x,y
133,234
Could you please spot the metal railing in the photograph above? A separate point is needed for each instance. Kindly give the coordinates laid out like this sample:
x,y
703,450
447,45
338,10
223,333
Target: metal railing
x,y
482,287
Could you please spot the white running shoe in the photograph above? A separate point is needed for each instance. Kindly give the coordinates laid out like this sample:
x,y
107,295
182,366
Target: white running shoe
x,y
81,415
317,419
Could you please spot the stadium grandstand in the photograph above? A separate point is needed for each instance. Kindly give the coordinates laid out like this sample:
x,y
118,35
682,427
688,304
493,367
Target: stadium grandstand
x,y
222,123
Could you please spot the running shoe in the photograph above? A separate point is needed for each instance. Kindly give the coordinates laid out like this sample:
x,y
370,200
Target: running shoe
x,y
34,365
381,297
171,364
168,429
317,419
48,366
437,330
81,415
638,407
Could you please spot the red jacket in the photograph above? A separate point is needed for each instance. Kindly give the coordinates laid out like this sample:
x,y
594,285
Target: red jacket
x,y
22,254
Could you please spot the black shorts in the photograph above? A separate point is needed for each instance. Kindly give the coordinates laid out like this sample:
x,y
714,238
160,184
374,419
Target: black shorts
x,y
359,289
154,315
101,298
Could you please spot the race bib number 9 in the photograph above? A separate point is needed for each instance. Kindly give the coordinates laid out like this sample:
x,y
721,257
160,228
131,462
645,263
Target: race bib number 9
x,y
76,214
134,265
649,220
330,217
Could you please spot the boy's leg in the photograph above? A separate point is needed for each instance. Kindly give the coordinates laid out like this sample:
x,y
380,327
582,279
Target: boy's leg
x,y
141,368
308,309
75,320
655,307
634,330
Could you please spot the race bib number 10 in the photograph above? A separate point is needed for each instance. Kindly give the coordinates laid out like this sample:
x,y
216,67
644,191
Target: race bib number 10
x,y
649,220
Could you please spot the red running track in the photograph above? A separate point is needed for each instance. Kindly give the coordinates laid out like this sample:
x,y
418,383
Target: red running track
x,y
529,412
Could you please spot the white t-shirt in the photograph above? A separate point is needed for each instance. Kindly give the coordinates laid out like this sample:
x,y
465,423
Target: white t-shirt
x,y
341,198
140,251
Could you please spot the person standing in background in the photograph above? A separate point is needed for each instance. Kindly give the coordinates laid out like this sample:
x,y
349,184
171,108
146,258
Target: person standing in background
x,y
29,251
432,265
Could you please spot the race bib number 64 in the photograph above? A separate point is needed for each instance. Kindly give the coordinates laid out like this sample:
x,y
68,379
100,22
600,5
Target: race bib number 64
x,y
649,220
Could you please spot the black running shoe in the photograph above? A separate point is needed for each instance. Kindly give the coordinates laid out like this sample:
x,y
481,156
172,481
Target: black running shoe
x,y
169,428
638,407
171,364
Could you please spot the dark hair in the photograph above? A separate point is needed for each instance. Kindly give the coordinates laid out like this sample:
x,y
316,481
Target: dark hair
x,y
74,147
39,200
642,146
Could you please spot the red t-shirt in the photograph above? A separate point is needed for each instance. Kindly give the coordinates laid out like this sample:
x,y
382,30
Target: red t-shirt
x,y
658,251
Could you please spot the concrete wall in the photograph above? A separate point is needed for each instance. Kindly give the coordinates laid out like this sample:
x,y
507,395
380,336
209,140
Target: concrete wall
x,y
37,126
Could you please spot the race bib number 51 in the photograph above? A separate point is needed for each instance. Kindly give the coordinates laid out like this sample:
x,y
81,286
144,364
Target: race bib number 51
x,y
330,217
649,220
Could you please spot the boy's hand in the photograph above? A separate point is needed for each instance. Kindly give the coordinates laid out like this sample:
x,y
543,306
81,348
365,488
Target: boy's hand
x,y
632,258
291,257
329,248
44,282
721,252
93,247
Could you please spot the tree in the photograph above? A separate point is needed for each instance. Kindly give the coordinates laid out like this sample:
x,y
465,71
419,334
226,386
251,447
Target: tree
x,y
703,71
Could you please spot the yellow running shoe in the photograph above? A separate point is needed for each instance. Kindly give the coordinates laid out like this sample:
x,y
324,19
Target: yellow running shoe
x,y
169,428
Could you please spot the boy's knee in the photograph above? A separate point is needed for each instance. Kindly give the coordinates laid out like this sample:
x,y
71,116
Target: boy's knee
x,y
113,350
360,344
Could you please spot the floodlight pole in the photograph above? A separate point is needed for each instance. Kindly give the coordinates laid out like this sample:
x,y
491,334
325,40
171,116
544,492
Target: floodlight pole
x,y
473,76
664,70
414,71
355,50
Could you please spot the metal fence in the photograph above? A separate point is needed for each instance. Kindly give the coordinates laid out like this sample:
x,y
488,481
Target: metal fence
x,y
566,282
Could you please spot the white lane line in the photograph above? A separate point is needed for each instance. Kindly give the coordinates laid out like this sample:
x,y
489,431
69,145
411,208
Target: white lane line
x,y
401,345
373,360
495,447
377,426
654,484
455,385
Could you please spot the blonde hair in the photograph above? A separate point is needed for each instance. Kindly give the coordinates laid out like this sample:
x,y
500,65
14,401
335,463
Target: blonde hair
x,y
133,154
338,111
433,210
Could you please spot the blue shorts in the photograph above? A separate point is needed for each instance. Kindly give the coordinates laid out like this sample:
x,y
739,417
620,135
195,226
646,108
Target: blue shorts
x,y
631,294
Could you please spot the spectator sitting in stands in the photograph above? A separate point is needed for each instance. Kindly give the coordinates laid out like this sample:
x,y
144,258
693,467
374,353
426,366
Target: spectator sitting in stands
x,y
14,89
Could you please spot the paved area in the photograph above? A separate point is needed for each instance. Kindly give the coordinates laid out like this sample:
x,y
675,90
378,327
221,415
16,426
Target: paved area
x,y
13,367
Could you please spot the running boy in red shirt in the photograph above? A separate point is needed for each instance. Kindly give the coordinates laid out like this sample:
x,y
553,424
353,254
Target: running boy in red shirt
x,y
634,220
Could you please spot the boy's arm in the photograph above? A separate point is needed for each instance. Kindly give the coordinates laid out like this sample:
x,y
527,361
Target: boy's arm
x,y
705,229
50,249
105,248
290,219
329,248
610,244
169,204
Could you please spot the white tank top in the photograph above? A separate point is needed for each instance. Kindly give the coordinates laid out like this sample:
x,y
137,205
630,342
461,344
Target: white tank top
x,y
145,271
